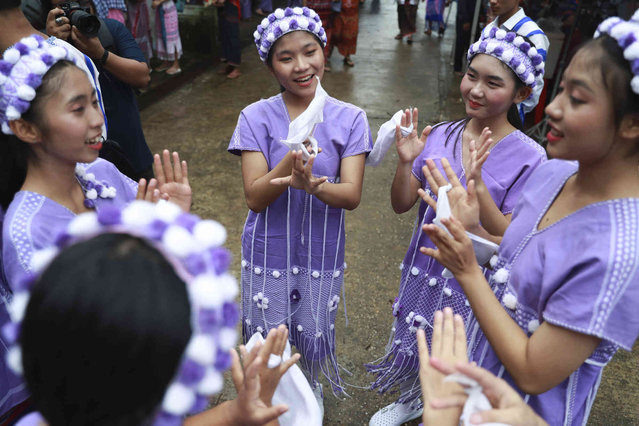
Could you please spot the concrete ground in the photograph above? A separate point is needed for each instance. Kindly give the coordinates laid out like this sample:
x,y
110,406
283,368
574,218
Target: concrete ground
x,y
198,118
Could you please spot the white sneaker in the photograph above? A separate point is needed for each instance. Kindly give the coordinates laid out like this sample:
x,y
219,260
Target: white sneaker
x,y
317,390
396,414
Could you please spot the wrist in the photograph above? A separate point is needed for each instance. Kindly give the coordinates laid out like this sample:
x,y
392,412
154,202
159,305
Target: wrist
x,y
472,274
102,58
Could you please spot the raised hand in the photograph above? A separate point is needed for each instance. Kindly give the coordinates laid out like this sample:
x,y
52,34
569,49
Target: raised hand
x,y
301,175
248,407
270,376
409,147
479,152
148,191
463,203
173,179
456,253
448,347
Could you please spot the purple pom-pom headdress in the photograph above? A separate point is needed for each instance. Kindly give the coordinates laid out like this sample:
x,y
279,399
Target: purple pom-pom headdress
x,y
284,21
627,35
510,48
21,69
194,248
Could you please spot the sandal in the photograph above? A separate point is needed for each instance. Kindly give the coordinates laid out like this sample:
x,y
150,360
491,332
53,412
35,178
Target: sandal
x,y
399,36
348,62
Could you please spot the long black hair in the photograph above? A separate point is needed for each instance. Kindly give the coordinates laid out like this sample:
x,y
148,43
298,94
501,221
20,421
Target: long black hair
x,y
103,333
13,152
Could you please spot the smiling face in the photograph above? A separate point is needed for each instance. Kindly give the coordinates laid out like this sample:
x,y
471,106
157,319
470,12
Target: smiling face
x,y
488,88
581,117
297,58
70,126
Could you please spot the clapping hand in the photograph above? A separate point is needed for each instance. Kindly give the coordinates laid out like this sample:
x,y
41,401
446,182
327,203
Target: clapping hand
x,y
173,179
448,347
463,203
479,152
409,147
301,175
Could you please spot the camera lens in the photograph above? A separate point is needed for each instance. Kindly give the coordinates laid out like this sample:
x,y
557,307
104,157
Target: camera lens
x,y
86,23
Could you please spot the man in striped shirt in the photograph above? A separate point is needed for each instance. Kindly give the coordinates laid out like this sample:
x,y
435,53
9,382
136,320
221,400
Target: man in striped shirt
x,y
511,17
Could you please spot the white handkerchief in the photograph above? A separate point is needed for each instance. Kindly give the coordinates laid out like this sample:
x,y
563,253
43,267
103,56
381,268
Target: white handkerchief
x,y
386,138
484,249
300,131
476,402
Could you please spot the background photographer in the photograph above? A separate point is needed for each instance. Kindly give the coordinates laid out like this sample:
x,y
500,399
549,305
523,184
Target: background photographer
x,y
122,67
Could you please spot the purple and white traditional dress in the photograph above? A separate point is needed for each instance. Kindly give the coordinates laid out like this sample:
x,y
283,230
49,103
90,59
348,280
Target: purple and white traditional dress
x,y
580,273
423,290
293,251
30,224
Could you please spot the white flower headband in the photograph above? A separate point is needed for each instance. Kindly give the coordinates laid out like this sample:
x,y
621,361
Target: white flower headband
x,y
626,34
194,247
284,21
21,69
512,50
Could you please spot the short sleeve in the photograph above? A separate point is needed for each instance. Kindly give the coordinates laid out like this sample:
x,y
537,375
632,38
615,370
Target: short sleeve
x,y
599,280
514,191
125,44
359,139
243,138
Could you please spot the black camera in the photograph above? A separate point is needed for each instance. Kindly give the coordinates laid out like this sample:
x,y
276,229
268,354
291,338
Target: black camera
x,y
81,18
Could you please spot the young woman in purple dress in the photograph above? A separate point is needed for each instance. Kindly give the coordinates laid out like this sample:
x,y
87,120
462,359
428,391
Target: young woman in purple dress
x,y
293,239
564,289
500,75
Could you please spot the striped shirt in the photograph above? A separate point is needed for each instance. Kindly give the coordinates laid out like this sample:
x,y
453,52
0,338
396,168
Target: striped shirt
x,y
524,26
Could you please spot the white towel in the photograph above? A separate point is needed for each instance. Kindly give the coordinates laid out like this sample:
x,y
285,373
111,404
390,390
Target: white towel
x,y
300,131
386,138
476,402
293,390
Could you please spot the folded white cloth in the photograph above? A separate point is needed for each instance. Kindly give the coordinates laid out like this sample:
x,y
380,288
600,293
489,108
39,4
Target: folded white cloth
x,y
293,390
476,402
300,131
386,138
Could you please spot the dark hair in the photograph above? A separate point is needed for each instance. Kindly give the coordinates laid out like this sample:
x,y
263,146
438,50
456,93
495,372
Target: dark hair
x,y
616,75
103,333
9,4
14,152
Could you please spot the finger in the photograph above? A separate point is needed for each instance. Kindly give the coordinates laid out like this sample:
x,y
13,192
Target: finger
x,y
438,236
435,254
282,338
253,354
283,181
141,189
318,181
448,335
502,416
425,133
415,118
152,186
450,173
472,192
427,199
461,353
185,172
456,400
267,348
166,165
432,182
237,374
309,165
434,171
289,363
456,229
177,167
157,169
436,341
422,349
157,196
398,134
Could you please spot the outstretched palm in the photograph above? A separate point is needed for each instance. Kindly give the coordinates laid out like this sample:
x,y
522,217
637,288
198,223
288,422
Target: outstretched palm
x,y
410,146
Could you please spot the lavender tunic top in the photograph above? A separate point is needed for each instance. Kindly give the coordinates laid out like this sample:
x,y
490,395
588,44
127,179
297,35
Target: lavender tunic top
x,y
580,273
30,224
293,251
423,290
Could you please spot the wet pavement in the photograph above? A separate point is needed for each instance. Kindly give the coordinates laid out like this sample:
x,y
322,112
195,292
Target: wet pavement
x,y
198,118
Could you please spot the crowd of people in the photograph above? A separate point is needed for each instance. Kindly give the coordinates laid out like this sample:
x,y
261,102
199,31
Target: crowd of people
x,y
118,307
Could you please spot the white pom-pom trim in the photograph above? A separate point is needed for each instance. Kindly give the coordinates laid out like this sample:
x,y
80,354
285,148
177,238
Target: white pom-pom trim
x,y
510,301
298,11
178,399
204,291
14,360
533,325
84,224
448,291
500,34
210,233
501,276
295,270
315,274
432,282
507,55
227,338
12,113
336,274
41,259
178,241
11,55
532,52
631,52
276,274
414,271
38,67
91,194
211,383
18,306
520,69
279,13
265,22
634,83
201,349
257,36
284,26
518,41
493,260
